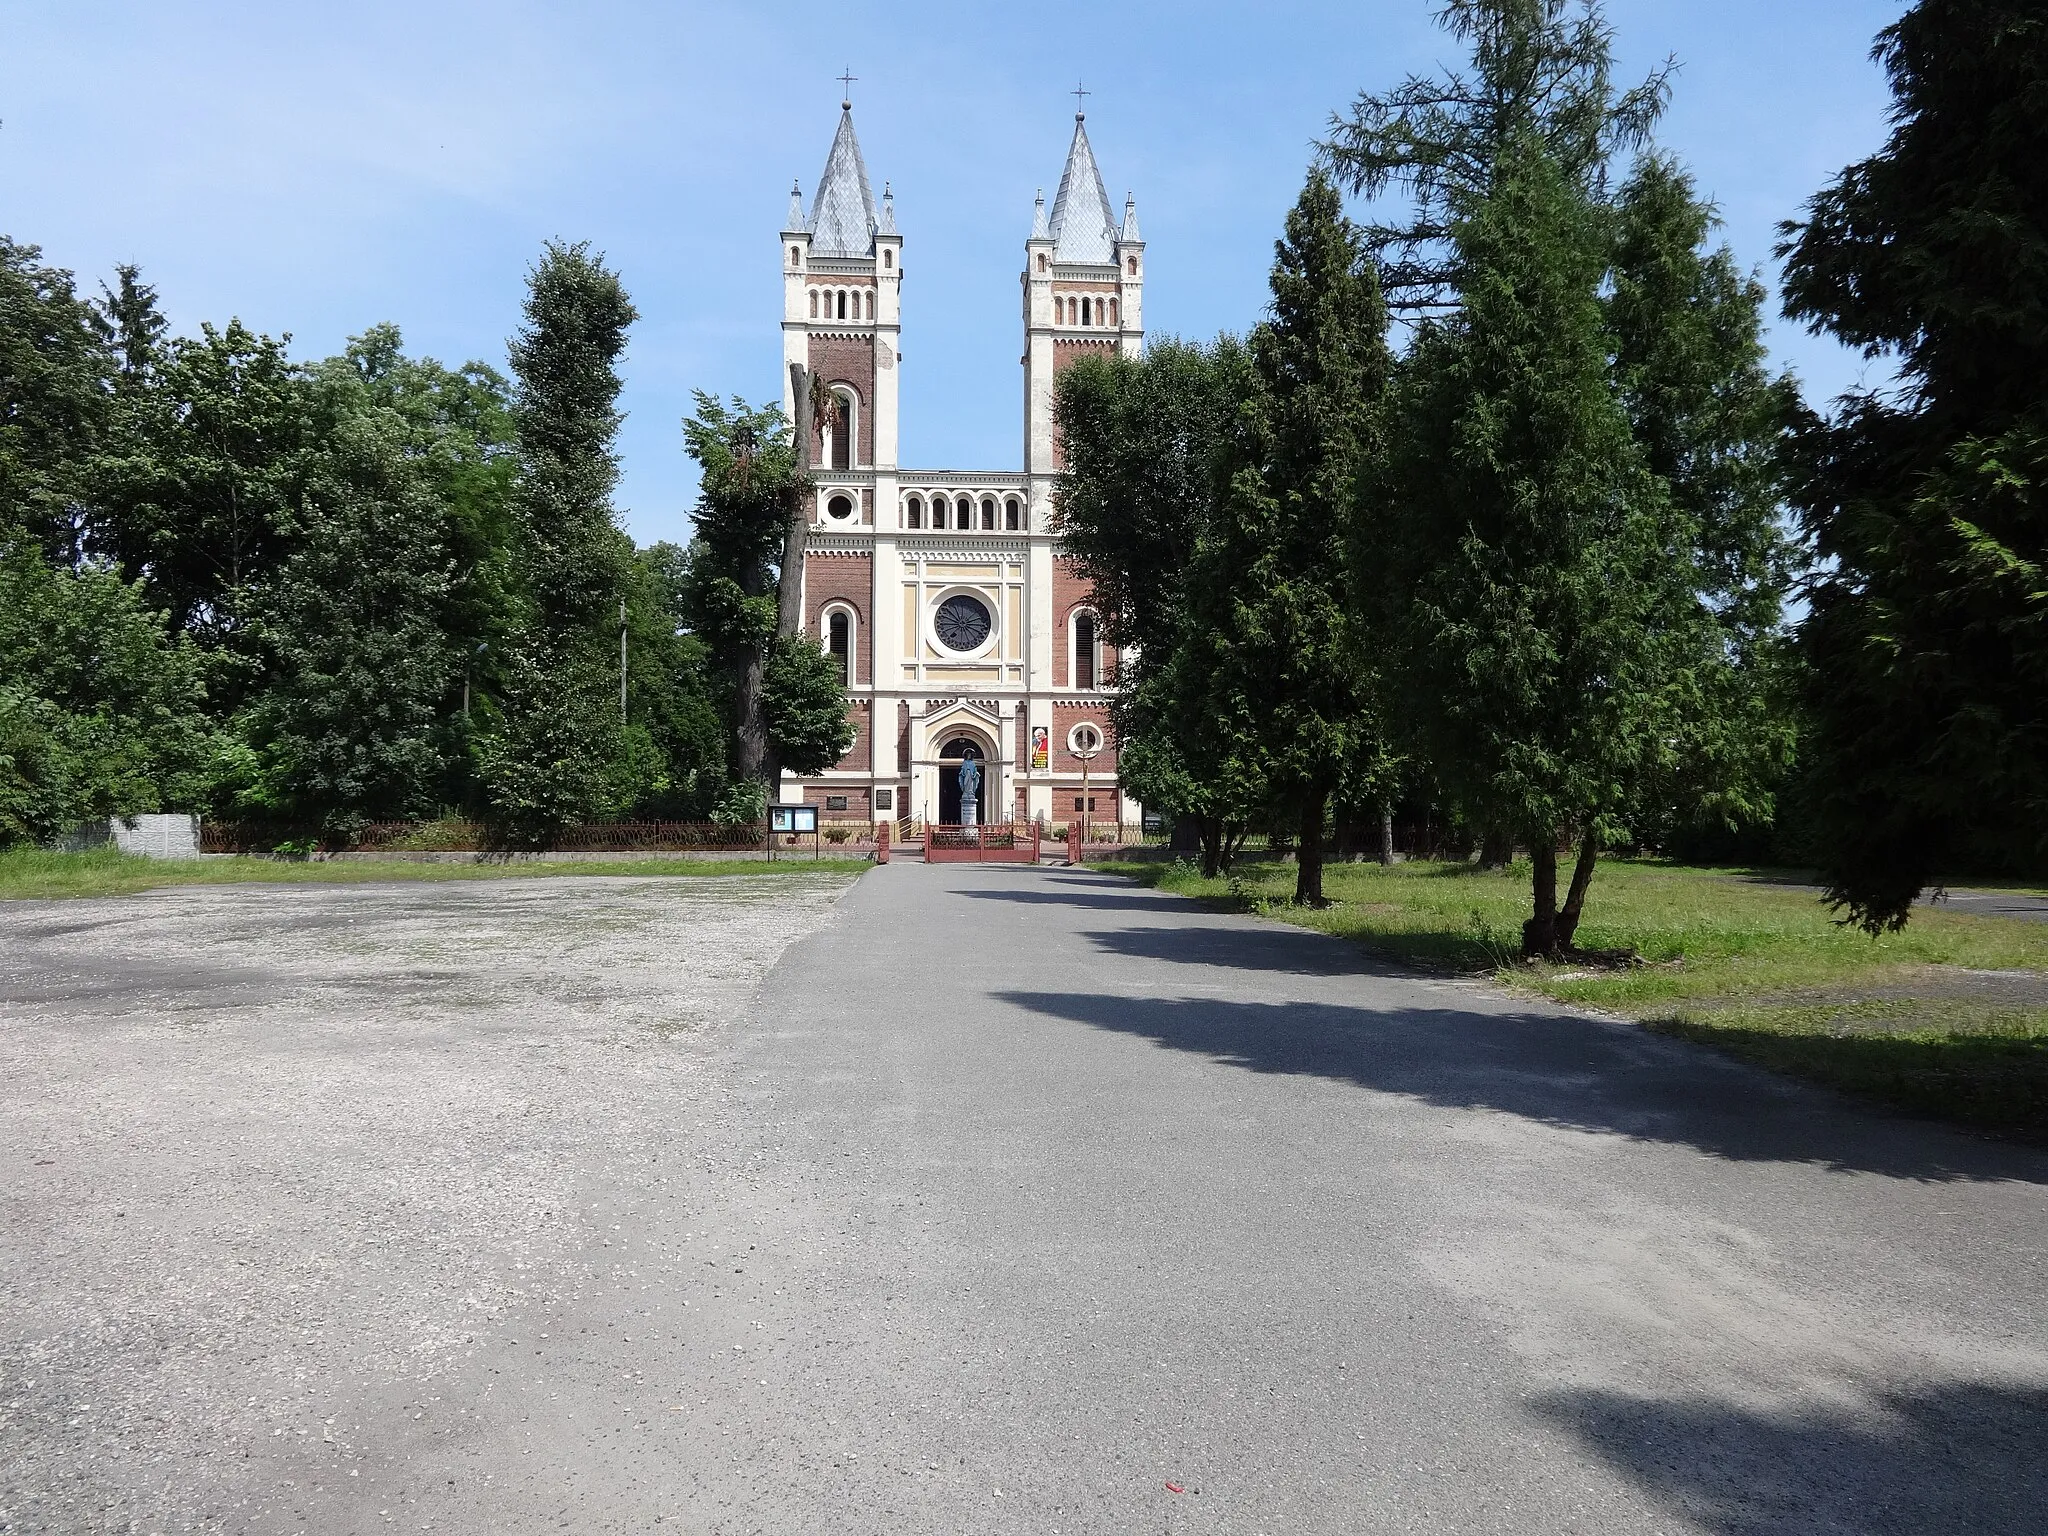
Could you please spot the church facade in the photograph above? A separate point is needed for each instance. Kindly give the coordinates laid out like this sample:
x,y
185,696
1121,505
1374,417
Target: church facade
x,y
962,630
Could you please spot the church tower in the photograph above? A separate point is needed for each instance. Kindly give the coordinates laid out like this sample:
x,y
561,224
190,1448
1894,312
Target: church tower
x,y
1084,290
842,314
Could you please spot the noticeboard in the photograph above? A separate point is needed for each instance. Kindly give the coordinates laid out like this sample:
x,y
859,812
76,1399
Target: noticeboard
x,y
792,818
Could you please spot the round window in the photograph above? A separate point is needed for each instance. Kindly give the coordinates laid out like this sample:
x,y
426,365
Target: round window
x,y
1084,740
962,623
840,507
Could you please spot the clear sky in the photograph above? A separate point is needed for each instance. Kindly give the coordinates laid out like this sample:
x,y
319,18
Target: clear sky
x,y
315,169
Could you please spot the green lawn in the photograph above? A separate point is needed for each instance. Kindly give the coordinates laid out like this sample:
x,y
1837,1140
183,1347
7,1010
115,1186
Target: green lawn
x,y
1949,1018
31,874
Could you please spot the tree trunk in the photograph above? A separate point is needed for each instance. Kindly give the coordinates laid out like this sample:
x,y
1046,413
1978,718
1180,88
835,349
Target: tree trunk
x,y
754,760
1387,835
1308,862
1496,851
1575,898
789,597
1212,833
1539,933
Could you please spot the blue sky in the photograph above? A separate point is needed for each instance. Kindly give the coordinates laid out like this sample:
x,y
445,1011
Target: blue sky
x,y
316,169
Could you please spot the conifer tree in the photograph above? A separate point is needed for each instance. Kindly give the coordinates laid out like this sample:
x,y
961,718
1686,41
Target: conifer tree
x,y
1291,703
548,760
1927,637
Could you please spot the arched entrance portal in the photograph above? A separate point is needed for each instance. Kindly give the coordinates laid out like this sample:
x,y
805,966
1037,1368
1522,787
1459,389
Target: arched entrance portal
x,y
958,749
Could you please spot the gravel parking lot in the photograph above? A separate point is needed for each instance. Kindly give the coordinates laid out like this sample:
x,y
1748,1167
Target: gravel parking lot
x,y
280,1157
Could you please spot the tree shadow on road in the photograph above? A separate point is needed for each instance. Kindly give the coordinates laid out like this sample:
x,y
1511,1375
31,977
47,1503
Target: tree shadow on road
x,y
1553,1068
1960,1457
1269,947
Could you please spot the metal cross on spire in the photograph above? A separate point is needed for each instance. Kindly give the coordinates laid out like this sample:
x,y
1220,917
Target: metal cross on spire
x,y
846,87
1079,104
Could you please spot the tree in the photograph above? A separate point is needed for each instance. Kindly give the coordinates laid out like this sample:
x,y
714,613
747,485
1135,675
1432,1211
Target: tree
x,y
352,721
1927,636
55,369
1143,439
1541,70
99,704
1291,702
783,698
549,758
1528,584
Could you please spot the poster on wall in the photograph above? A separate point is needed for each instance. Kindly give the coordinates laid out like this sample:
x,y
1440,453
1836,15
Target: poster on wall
x,y
1041,747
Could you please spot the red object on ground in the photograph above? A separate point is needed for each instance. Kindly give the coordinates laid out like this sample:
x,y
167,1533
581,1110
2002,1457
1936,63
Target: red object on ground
x,y
881,842
1175,1488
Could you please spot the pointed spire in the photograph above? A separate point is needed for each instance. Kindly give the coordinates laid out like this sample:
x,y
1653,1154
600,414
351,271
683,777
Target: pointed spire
x,y
888,226
795,224
1040,230
1081,222
843,213
1130,230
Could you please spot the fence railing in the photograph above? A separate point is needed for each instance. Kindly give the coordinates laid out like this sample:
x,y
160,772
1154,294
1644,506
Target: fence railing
x,y
474,837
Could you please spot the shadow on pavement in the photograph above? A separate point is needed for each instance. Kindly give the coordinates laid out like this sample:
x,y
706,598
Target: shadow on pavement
x,y
1960,1457
1268,948
1552,1068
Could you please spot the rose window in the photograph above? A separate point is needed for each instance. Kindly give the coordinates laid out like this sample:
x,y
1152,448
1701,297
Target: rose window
x,y
962,623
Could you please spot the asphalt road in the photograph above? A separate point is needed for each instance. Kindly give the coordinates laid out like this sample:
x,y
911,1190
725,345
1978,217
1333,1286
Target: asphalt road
x,y
1029,1201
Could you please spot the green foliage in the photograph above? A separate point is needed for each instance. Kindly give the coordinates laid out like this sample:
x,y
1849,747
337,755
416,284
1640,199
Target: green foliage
x,y
99,706
54,401
1291,700
352,721
1144,441
556,750
803,694
1927,637
780,707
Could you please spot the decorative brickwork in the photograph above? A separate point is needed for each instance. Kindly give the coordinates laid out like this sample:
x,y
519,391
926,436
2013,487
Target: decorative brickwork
x,y
847,581
847,360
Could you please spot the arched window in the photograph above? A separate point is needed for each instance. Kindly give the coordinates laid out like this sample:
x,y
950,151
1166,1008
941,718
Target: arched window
x,y
1112,311
888,260
1134,266
913,513
1085,653
1041,261
842,429
839,641
842,304
938,511
868,304
1013,515
814,303
1086,312
796,256
988,513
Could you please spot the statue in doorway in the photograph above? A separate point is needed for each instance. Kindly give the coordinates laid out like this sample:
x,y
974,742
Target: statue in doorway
x,y
970,789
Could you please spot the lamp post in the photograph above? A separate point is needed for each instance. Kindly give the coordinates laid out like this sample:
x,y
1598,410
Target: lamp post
x,y
1086,742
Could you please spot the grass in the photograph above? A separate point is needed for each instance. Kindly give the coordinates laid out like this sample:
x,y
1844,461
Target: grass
x,y
32,874
1948,1019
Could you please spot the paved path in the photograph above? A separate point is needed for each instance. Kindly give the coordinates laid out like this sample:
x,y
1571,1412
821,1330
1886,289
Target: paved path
x,y
1029,1201
2021,904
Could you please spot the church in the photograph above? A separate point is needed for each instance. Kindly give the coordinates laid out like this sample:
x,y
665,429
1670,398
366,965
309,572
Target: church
x,y
963,630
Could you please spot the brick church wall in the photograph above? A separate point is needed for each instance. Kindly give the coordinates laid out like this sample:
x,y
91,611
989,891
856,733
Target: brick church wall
x,y
847,360
847,579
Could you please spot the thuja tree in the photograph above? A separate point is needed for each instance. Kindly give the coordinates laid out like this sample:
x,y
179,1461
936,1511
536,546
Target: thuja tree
x,y
786,701
1291,699
1928,636
1143,440
550,757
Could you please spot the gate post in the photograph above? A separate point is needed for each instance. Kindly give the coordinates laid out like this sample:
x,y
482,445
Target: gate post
x,y
881,842
1074,844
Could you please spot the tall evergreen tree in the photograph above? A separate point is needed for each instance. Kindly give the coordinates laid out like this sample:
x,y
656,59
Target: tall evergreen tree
x,y
1291,699
1927,637
1143,440
549,758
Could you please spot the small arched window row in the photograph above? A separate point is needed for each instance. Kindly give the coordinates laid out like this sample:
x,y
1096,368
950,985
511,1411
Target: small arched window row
x,y
842,303
961,513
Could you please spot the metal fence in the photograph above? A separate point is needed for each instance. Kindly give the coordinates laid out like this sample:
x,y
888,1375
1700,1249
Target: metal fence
x,y
475,837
